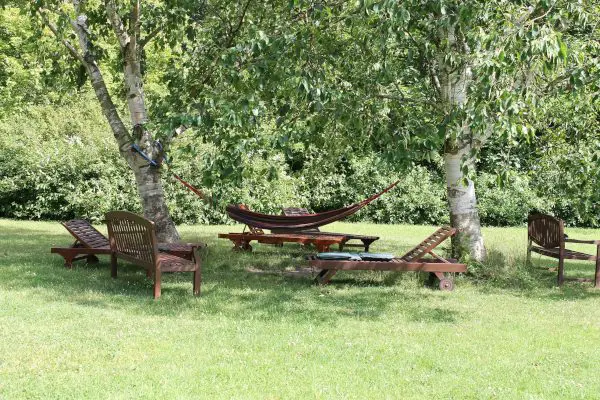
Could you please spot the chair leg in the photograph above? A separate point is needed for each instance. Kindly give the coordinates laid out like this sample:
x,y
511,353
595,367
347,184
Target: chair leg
x,y
69,260
198,272
597,276
113,265
561,271
197,281
157,277
325,276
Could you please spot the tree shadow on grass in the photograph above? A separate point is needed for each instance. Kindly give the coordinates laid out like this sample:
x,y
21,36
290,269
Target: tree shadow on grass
x,y
228,288
535,280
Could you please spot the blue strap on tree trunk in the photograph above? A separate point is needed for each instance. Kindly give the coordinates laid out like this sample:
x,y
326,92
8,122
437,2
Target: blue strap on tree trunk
x,y
144,156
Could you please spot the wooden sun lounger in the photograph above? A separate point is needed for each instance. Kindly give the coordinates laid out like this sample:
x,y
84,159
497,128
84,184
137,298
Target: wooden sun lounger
x,y
241,241
89,243
414,260
364,239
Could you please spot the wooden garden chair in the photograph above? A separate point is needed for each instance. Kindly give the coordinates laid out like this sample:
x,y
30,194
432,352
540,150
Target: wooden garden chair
x,y
546,236
89,243
420,258
133,238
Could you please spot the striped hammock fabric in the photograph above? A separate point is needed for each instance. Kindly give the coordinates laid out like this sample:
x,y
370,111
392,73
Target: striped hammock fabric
x,y
269,221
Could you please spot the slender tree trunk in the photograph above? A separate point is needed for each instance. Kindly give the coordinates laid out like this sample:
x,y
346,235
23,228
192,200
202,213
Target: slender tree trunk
x,y
464,216
147,178
463,207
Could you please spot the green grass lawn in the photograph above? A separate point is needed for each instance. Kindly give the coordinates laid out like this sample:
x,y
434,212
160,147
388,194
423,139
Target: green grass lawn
x,y
258,332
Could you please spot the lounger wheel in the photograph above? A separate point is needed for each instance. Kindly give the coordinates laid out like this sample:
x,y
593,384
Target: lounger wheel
x,y
446,285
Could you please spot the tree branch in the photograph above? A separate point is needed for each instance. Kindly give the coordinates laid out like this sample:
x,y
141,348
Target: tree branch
x,y
234,32
228,41
143,42
72,50
117,23
134,23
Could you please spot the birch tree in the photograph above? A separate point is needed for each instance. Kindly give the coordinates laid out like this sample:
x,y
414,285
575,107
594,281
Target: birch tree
x,y
90,30
484,63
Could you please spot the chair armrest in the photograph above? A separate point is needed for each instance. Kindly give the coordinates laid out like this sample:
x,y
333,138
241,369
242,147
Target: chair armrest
x,y
596,242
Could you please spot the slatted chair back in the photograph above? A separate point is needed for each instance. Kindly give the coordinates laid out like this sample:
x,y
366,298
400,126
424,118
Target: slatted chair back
x,y
429,244
295,211
253,230
298,212
86,234
546,231
132,238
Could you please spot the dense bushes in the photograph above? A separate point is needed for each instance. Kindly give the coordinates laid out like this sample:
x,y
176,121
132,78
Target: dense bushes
x,y
61,162
57,163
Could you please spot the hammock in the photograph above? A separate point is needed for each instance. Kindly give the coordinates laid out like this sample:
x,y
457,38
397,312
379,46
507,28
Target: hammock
x,y
268,221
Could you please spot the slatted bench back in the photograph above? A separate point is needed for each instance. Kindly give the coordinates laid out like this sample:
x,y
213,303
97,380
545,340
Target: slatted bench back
x,y
86,234
546,231
295,211
132,237
298,212
429,244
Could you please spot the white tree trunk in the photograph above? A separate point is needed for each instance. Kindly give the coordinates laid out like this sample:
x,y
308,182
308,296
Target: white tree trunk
x,y
147,178
464,216
463,208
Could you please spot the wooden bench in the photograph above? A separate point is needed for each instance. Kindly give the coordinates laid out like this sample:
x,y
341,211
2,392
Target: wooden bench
x,y
133,239
546,236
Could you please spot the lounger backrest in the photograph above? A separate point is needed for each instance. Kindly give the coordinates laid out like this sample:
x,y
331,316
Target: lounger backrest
x,y
132,237
429,244
545,230
295,211
86,234
298,212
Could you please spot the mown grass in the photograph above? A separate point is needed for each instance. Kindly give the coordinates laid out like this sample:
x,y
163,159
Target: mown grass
x,y
257,332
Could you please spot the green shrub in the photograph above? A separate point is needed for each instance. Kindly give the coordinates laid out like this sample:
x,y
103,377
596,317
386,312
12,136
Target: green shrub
x,y
419,198
60,163
265,186
510,204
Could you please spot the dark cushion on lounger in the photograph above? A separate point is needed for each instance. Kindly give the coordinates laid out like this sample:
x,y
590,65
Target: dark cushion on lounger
x,y
338,256
376,256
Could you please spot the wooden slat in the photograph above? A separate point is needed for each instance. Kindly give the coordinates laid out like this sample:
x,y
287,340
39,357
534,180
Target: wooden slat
x,y
569,254
394,265
85,233
429,243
